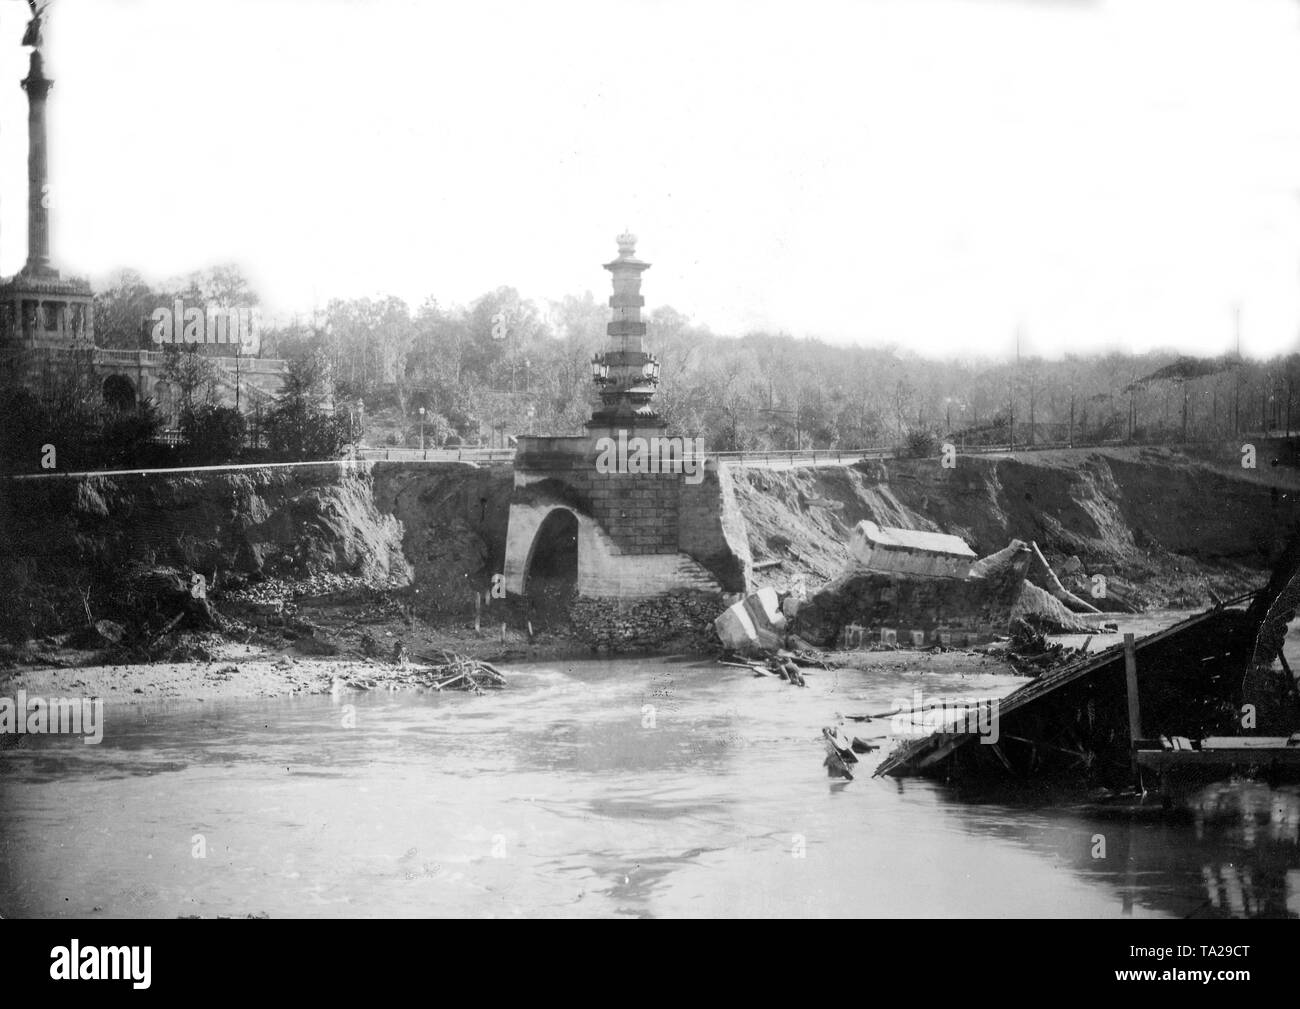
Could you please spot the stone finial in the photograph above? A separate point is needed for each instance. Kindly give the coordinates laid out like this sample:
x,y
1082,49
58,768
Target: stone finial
x,y
626,245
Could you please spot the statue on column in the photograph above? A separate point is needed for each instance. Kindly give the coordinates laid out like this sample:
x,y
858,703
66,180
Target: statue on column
x,y
32,36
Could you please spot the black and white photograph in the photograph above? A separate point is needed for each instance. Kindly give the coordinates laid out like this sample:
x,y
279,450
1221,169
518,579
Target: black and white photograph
x,y
650,459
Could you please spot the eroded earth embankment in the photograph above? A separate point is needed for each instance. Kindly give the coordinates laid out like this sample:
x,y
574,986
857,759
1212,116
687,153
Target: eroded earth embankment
x,y
409,541
77,550
1162,528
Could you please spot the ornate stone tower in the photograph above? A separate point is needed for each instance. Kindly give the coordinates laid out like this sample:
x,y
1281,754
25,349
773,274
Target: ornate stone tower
x,y
626,374
585,514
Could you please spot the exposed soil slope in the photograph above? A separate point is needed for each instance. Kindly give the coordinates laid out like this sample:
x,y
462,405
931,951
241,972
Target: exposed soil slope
x,y
1160,527
68,546
453,518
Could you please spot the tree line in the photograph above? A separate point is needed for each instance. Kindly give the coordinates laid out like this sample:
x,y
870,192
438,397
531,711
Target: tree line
x,y
504,365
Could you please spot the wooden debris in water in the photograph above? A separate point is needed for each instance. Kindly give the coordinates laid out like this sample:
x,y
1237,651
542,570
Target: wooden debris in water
x,y
1076,725
837,740
449,671
838,757
789,666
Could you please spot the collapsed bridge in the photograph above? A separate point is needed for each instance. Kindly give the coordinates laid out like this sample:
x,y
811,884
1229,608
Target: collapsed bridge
x,y
1081,724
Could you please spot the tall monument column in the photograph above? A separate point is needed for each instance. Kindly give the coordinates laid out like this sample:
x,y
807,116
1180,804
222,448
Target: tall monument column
x,y
39,308
37,86
626,374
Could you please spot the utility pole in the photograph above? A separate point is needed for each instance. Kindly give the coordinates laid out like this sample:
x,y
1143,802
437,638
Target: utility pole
x,y
1236,406
1031,408
1290,381
1132,403
1011,397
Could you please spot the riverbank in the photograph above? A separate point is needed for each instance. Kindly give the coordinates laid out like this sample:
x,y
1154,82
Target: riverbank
x,y
233,670
242,672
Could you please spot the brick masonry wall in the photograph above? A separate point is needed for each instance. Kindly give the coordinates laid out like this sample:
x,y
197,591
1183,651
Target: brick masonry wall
x,y
644,514
639,511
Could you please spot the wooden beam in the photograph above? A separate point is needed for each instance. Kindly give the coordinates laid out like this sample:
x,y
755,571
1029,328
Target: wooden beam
x,y
1134,709
1130,676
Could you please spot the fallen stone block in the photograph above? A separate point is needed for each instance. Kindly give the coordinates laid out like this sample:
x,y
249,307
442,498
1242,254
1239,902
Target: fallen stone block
x,y
735,628
765,610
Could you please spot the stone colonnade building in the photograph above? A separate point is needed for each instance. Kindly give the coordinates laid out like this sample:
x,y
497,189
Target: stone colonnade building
x,y
47,321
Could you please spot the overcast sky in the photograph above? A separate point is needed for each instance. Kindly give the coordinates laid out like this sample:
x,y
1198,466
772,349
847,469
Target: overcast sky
x,y
928,173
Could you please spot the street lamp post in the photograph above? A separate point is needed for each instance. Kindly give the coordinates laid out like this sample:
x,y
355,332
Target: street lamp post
x,y
948,402
422,452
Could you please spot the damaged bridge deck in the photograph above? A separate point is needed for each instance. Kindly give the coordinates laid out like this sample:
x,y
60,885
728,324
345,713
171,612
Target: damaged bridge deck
x,y
1073,723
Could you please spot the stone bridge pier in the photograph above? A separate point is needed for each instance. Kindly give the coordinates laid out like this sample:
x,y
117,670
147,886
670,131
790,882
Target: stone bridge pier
x,y
636,535
624,511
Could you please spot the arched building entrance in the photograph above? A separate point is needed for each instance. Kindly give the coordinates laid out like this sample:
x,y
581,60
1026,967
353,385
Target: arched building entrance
x,y
119,393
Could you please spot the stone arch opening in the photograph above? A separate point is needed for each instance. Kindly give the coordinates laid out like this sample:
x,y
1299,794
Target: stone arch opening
x,y
551,574
119,393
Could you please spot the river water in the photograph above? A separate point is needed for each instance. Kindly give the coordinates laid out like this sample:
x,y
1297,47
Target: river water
x,y
642,788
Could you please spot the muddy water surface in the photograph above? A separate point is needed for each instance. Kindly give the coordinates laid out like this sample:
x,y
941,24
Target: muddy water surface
x,y
642,788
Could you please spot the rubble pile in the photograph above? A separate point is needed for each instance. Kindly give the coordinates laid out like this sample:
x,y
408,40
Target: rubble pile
x,y
1028,651
752,624
281,590
903,585
681,619
1039,608
172,614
